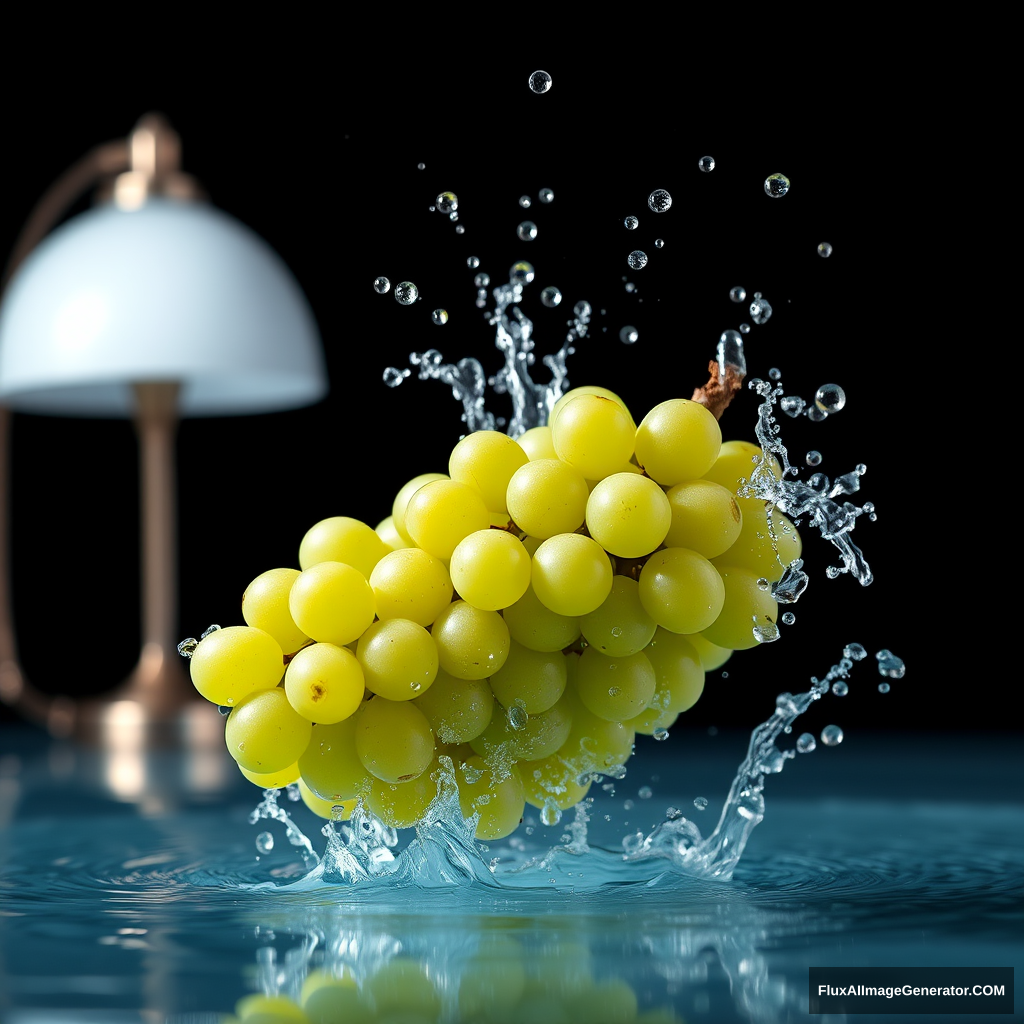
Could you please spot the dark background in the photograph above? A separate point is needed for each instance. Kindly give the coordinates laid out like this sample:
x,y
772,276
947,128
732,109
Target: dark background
x,y
324,168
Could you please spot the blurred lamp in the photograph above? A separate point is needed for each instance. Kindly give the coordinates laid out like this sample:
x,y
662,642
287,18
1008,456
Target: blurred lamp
x,y
153,305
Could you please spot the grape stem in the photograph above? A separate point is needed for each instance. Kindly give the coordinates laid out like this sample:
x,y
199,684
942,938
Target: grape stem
x,y
717,394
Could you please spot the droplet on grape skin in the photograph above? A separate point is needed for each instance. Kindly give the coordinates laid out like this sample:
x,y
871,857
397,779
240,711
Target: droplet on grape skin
x,y
706,164
660,734
527,231
831,735
517,717
700,802
550,297
632,223
628,335
830,398
659,200
381,285
406,293
447,202
545,195
806,743
824,249
776,185
737,294
439,316
540,82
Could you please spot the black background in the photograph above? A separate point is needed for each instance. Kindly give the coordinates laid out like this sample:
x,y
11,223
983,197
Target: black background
x,y
322,163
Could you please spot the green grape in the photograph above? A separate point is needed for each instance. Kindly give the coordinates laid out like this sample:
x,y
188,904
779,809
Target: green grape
x,y
497,798
746,606
587,389
385,529
332,602
264,733
269,1010
628,514
402,987
756,548
442,512
537,443
403,804
571,574
401,502
594,743
324,683
705,517
265,606
654,719
493,981
458,710
410,584
608,999
486,460
471,643
620,626
615,689
490,569
547,497
332,810
230,663
342,539
735,463
550,781
711,655
537,737
398,657
330,766
393,739
681,590
330,1000
533,680
273,780
678,668
533,625
595,434
678,440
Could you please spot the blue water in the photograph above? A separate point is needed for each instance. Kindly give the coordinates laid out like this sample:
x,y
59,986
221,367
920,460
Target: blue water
x,y
131,890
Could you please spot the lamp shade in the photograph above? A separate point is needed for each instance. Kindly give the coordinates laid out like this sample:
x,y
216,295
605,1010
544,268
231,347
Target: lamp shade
x,y
171,291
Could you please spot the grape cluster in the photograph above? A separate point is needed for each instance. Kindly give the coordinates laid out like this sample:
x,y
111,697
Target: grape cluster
x,y
525,614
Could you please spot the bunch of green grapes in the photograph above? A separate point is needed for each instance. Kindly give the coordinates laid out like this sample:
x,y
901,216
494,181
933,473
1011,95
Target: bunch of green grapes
x,y
525,614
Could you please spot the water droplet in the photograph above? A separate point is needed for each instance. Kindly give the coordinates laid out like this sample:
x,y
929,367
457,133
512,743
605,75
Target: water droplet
x,y
415,686
788,618
527,231
889,665
209,629
628,335
551,297
406,293
187,647
659,200
614,691
766,633
522,272
439,316
637,260
763,584
545,195
264,842
645,792
706,163
776,185
839,688
883,687
737,294
421,167
241,747
517,717
550,814
540,82
659,243
632,223
628,805
760,311
792,405
460,230
381,285
830,398
473,262
630,287
393,376
831,735
813,458
660,734
805,743
224,709
616,631
824,249
524,202
447,202
855,652
700,802
482,280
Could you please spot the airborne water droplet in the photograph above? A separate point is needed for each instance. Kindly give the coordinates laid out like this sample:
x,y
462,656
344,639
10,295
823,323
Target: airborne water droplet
x,y
737,294
889,665
883,687
264,842
659,243
632,223
840,689
760,310
393,376
788,618
830,398
659,200
545,195
824,249
700,802
813,458
831,735
637,259
473,262
540,82
447,202
524,202
706,163
551,296
406,293
381,285
855,652
527,231
439,316
776,185
628,335
806,743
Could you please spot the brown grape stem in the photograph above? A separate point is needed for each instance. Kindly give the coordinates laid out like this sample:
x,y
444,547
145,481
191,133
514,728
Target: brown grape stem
x,y
717,394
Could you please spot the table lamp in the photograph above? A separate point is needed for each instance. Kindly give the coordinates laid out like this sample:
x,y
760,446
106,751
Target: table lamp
x,y
152,305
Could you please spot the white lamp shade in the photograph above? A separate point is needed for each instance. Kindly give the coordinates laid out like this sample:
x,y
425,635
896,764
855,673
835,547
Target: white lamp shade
x,y
172,291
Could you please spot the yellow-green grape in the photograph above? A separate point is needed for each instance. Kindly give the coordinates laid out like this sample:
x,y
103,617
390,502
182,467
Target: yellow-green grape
x,y
324,683
403,804
547,497
536,626
458,710
332,602
333,810
537,444
608,999
265,606
490,569
385,529
526,737
745,608
493,981
762,548
594,743
398,657
486,460
628,515
442,512
736,462
550,781
264,733
705,517
273,780
401,991
678,440
681,590
621,625
262,1009
342,539
532,680
678,669
572,574
615,689
587,389
711,655
330,1000
499,799
393,739
595,434
230,663
471,643
401,502
410,584
330,766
